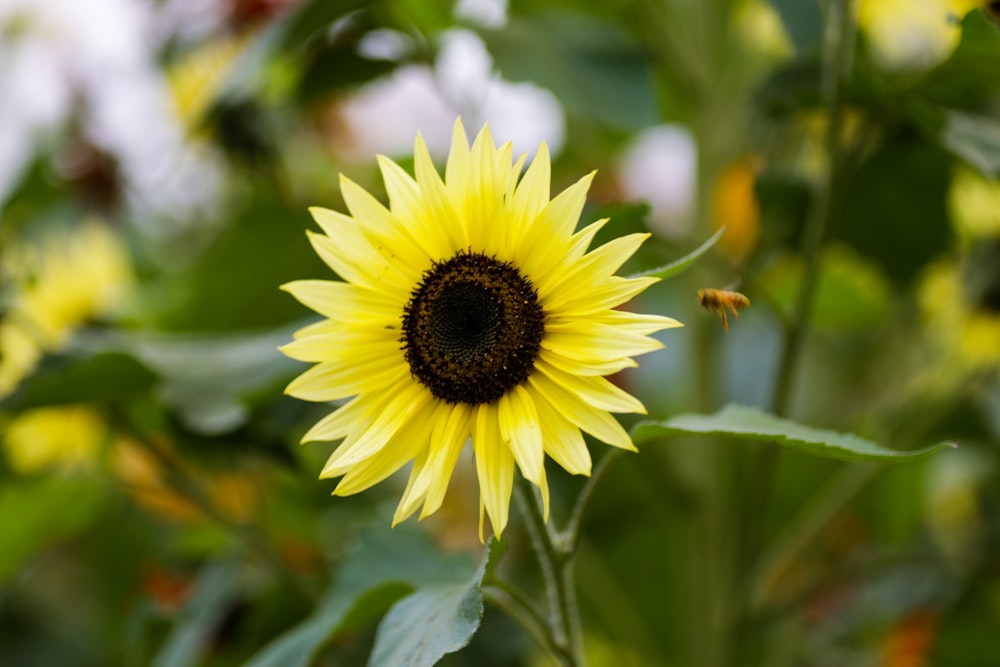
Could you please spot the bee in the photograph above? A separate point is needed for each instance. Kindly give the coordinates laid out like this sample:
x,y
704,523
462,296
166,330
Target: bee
x,y
718,301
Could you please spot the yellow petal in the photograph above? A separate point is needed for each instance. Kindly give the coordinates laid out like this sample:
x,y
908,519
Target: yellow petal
x,y
563,441
409,399
332,381
521,431
596,422
449,444
597,392
613,292
345,302
494,467
403,447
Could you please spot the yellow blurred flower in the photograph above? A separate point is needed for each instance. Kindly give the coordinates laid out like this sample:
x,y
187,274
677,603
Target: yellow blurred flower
x,y
58,284
974,204
906,35
966,328
735,207
759,26
19,353
196,79
63,438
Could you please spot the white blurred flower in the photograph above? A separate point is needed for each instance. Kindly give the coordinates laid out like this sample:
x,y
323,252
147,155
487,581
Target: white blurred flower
x,y
384,115
96,59
485,13
658,166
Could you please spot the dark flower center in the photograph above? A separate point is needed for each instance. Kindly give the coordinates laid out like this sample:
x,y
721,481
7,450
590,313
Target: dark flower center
x,y
472,329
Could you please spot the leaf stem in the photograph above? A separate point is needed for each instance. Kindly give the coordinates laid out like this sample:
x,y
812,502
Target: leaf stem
x,y
569,539
557,569
520,608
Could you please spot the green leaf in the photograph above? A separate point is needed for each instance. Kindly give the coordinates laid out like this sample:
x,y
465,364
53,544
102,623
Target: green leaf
x,y
386,565
434,621
746,423
38,513
97,379
338,68
313,19
803,20
594,68
206,377
684,263
971,76
851,293
876,211
217,588
975,139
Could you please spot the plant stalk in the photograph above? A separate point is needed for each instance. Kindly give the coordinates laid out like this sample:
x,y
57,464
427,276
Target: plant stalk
x,y
557,568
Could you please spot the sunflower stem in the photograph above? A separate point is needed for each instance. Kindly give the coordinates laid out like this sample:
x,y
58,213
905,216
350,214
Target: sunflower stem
x,y
556,565
569,539
516,605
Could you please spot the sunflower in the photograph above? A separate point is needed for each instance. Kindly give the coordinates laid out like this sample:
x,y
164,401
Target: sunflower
x,y
469,309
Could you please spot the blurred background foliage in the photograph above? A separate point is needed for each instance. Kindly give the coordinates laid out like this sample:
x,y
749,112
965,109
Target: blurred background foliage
x,y
157,158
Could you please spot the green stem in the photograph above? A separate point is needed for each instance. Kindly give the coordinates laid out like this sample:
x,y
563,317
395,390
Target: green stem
x,y
838,47
557,569
838,42
569,539
514,603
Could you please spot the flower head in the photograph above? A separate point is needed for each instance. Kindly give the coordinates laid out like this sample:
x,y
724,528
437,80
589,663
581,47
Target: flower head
x,y
57,285
469,309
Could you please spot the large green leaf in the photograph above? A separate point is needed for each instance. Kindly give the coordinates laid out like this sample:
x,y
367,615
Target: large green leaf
x,y
432,622
386,565
96,379
746,423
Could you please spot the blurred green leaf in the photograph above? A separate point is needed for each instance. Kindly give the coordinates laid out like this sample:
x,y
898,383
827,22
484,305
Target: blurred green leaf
x,y
803,20
423,16
216,589
975,139
40,512
894,206
971,77
851,294
97,379
338,68
313,20
684,263
206,377
432,622
593,68
746,423
385,565
233,285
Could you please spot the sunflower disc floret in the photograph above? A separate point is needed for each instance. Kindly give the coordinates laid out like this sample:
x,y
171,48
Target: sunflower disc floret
x,y
468,309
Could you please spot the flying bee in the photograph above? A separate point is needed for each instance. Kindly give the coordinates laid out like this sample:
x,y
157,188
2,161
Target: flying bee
x,y
718,301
